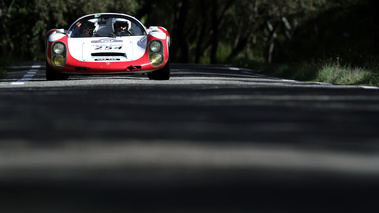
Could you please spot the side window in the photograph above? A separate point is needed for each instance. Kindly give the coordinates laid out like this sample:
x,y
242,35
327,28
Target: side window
x,y
82,28
75,31
136,29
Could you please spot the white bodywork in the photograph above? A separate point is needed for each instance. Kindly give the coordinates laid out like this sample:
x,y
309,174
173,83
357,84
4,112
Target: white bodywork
x,y
133,48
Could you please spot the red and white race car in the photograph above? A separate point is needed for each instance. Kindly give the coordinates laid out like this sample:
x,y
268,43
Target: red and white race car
x,y
107,43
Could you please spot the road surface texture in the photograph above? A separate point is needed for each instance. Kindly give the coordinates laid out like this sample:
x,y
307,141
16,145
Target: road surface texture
x,y
213,138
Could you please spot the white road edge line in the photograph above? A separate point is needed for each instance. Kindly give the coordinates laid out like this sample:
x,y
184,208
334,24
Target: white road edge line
x,y
28,76
323,83
368,87
289,80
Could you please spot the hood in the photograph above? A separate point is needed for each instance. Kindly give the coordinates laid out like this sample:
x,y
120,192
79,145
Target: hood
x,y
95,49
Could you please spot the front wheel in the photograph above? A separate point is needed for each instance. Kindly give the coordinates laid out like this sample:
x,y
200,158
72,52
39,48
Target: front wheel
x,y
52,74
161,74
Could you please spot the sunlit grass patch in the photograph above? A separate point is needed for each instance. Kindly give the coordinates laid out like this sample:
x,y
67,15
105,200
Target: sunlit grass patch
x,y
336,74
326,72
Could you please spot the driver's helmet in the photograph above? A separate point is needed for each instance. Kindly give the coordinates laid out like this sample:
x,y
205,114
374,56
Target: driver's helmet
x,y
87,28
121,25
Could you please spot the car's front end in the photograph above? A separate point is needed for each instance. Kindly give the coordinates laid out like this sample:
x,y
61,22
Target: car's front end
x,y
104,51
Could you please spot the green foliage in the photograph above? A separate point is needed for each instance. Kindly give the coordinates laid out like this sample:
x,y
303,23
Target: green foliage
x,y
24,24
302,72
344,30
219,31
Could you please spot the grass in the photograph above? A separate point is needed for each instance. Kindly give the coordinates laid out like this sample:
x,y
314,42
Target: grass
x,y
328,72
335,74
304,72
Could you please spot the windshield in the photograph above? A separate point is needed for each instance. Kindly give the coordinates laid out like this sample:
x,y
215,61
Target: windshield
x,y
107,25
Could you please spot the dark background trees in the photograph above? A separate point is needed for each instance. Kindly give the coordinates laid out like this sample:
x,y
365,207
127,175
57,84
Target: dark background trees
x,y
218,31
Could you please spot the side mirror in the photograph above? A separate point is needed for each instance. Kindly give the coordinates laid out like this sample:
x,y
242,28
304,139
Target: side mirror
x,y
60,31
152,29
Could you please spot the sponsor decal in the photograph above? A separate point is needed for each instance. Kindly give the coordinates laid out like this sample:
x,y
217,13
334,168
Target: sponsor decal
x,y
107,46
107,40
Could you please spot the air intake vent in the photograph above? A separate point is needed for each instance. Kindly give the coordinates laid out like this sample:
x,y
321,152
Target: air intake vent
x,y
108,54
82,68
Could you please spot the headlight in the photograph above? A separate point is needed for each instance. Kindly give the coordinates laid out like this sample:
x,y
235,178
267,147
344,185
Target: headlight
x,y
59,61
155,46
59,54
156,53
156,59
58,48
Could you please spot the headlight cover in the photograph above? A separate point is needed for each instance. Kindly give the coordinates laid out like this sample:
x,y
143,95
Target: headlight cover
x,y
59,61
156,59
155,46
58,54
156,54
58,48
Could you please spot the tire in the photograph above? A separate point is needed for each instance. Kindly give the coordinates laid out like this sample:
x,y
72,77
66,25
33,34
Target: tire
x,y
52,74
161,74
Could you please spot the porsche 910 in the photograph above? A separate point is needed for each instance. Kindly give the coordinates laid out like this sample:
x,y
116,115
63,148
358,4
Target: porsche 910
x,y
107,43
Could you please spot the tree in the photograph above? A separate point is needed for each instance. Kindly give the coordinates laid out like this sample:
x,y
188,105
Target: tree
x,y
25,23
218,31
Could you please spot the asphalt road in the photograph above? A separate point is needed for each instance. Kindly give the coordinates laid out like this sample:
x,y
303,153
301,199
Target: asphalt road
x,y
211,139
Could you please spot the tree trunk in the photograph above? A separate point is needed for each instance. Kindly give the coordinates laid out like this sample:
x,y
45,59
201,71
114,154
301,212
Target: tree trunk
x,y
215,26
178,35
375,14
